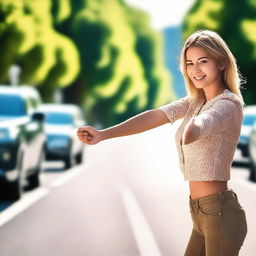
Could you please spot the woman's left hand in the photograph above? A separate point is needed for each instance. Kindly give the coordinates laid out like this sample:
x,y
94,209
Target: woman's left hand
x,y
191,132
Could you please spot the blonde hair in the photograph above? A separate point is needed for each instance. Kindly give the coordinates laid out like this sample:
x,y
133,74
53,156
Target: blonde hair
x,y
219,51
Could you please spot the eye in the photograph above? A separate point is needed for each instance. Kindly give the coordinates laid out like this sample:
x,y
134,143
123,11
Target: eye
x,y
189,63
203,61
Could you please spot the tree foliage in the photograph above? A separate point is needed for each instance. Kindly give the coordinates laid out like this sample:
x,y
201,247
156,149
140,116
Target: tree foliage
x,y
102,53
236,23
121,60
47,58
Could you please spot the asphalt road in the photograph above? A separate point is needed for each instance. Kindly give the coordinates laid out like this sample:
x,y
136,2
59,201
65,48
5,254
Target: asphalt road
x,y
129,198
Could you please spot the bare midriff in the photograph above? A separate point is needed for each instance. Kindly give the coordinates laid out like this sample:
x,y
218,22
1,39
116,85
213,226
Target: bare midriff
x,y
205,188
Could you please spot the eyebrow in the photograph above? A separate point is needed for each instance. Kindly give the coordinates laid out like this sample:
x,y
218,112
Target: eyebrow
x,y
199,58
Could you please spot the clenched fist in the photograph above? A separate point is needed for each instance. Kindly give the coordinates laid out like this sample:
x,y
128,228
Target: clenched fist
x,y
89,135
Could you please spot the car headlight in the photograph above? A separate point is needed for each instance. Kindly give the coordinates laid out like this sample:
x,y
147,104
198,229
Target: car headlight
x,y
5,155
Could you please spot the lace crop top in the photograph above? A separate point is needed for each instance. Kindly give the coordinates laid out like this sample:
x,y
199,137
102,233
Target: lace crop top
x,y
209,158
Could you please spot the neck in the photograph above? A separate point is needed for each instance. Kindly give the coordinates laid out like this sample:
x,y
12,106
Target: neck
x,y
212,92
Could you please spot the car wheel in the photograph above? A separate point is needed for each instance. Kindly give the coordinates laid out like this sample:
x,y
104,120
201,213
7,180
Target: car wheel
x,y
34,179
245,153
15,188
252,172
79,158
69,162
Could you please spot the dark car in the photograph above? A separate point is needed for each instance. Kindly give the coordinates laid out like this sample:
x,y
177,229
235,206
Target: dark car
x,y
22,140
61,123
252,153
248,121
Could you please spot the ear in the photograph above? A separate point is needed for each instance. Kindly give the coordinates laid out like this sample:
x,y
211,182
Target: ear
x,y
222,66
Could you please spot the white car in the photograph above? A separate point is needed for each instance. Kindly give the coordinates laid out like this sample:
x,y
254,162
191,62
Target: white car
x,y
22,140
61,123
248,121
252,153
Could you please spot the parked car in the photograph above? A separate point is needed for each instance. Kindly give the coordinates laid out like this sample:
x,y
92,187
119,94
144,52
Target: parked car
x,y
22,140
252,153
248,121
61,123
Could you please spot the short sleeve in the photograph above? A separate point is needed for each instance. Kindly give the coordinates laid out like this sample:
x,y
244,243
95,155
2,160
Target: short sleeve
x,y
224,114
176,109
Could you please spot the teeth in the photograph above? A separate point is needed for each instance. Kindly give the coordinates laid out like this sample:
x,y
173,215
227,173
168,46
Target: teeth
x,y
200,77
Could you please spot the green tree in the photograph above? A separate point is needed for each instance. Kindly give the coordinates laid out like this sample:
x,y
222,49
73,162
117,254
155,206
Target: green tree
x,y
236,23
47,58
122,71
118,70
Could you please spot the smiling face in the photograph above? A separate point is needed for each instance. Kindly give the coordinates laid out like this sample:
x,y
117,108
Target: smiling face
x,y
202,69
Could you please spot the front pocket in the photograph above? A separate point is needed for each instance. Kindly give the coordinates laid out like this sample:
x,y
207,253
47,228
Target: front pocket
x,y
210,208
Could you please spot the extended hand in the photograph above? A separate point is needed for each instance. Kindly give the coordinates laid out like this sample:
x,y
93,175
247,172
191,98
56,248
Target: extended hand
x,y
89,135
191,132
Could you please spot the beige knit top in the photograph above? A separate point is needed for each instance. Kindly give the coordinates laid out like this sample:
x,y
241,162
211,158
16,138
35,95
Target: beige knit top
x,y
209,158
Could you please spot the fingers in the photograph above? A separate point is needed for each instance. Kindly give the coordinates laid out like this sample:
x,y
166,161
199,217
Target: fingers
x,y
81,131
84,136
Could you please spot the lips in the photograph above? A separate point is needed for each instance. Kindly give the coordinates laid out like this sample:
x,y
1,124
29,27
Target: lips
x,y
198,78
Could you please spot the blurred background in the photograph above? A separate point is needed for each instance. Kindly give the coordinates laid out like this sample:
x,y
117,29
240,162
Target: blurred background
x,y
65,64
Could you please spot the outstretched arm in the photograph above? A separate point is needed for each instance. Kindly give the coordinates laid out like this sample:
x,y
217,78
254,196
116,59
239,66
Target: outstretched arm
x,y
142,122
221,116
137,124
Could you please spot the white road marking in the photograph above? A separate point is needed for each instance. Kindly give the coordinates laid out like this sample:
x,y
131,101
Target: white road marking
x,y
30,198
26,201
143,234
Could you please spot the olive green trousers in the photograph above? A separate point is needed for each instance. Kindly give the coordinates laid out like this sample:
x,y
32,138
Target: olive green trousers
x,y
219,225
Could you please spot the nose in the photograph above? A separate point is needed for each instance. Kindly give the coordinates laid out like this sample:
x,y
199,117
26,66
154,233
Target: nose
x,y
196,66
196,70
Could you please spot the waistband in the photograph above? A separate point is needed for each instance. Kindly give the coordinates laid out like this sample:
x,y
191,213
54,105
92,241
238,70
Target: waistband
x,y
221,195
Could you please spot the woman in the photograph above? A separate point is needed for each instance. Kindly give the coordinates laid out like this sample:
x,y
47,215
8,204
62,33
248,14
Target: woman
x,y
206,140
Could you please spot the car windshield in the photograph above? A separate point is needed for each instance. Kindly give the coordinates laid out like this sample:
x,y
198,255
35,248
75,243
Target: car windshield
x,y
249,119
12,105
59,118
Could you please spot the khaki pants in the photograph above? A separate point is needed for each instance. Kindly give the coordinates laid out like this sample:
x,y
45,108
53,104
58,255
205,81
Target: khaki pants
x,y
219,225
